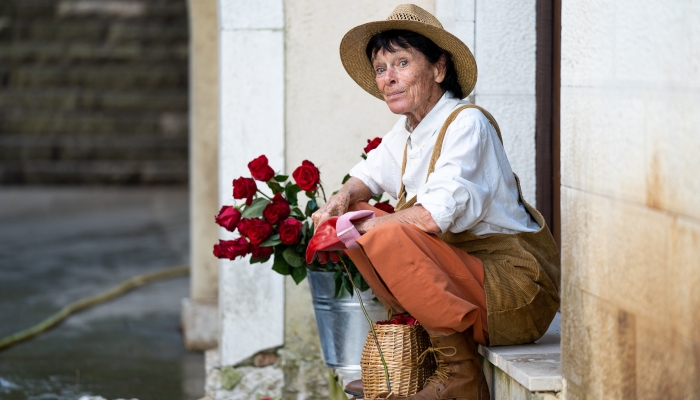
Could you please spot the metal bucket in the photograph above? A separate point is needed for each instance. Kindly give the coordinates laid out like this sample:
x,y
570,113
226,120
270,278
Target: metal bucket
x,y
342,326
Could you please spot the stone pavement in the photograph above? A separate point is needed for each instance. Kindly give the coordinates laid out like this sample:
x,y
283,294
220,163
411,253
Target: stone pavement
x,y
58,245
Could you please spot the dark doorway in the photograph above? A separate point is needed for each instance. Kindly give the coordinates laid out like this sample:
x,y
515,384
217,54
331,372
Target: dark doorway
x,y
547,93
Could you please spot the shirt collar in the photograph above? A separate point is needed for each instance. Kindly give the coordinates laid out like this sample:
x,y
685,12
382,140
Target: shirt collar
x,y
427,127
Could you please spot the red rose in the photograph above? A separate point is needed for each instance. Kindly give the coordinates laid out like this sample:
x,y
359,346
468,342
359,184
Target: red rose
x,y
258,230
228,218
260,169
307,176
232,248
384,207
244,188
261,252
372,144
277,210
290,230
243,226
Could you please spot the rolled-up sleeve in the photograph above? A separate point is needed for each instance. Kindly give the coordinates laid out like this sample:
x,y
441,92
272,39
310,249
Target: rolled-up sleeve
x,y
457,193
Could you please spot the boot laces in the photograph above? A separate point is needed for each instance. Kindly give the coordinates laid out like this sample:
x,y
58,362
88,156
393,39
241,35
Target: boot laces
x,y
442,372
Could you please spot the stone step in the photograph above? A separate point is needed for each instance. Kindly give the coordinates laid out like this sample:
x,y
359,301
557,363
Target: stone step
x,y
125,9
97,31
71,52
92,147
77,99
170,124
97,77
93,172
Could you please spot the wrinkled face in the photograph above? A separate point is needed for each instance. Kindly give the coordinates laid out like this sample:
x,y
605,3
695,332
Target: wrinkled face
x,y
406,79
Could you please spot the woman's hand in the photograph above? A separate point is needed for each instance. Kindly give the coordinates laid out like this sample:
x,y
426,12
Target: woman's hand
x,y
336,206
353,191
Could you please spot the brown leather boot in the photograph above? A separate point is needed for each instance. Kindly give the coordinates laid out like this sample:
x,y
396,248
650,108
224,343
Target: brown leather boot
x,y
459,373
354,388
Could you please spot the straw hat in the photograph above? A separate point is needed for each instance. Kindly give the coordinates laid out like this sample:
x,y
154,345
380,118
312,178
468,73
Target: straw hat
x,y
408,17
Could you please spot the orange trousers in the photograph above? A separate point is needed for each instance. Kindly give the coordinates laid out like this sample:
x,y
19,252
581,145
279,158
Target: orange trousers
x,y
412,271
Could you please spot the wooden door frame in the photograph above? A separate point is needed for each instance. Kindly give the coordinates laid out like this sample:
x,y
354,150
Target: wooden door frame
x,y
547,89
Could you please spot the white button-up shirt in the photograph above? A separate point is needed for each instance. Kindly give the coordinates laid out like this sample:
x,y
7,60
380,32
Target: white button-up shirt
x,y
472,187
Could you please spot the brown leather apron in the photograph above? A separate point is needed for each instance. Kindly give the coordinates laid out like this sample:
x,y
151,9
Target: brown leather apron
x,y
522,271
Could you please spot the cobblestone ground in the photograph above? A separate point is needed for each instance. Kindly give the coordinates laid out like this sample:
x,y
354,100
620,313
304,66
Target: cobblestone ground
x,y
59,245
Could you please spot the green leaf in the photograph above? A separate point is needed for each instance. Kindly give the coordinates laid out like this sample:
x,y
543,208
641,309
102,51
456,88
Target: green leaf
x,y
290,192
281,178
311,207
311,195
255,260
275,187
338,279
281,267
296,212
255,210
345,178
298,274
291,257
272,241
305,232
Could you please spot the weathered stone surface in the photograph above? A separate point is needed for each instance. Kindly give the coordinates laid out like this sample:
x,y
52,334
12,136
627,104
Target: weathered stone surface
x,y
102,77
76,99
267,381
200,324
77,68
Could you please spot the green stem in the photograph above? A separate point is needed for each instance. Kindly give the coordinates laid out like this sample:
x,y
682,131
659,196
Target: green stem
x,y
266,196
323,191
371,324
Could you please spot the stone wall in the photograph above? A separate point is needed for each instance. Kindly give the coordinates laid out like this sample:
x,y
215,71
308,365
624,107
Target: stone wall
x,y
93,91
630,206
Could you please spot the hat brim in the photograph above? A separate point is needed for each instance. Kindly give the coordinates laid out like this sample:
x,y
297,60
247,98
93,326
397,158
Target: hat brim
x,y
354,57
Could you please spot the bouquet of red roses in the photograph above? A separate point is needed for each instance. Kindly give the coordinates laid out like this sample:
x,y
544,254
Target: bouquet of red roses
x,y
271,225
275,225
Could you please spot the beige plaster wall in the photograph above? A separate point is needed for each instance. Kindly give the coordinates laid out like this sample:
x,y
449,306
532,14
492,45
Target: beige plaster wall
x,y
329,118
204,136
630,145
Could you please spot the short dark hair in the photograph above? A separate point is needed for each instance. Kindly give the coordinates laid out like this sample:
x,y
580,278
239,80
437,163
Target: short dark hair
x,y
389,40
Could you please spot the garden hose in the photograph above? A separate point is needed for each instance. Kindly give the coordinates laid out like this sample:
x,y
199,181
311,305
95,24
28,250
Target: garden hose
x,y
116,291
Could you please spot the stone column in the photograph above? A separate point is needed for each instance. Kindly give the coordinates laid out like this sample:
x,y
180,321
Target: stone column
x,y
200,316
251,297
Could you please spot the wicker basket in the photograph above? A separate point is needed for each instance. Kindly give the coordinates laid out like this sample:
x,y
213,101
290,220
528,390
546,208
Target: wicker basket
x,y
401,345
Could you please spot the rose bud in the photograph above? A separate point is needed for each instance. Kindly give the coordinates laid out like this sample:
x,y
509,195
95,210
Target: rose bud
x,y
372,144
290,231
219,251
261,252
277,210
244,188
243,226
232,248
258,231
260,169
384,207
307,176
228,218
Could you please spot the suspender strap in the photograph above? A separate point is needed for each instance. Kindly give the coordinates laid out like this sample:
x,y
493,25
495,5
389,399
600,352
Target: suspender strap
x,y
438,147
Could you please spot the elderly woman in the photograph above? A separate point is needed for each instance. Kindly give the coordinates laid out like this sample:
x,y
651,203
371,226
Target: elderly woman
x,y
464,253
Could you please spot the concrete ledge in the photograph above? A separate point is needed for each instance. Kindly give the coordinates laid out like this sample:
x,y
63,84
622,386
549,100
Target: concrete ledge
x,y
535,366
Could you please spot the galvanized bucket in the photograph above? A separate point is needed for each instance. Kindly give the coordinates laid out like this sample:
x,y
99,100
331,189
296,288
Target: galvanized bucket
x,y
342,326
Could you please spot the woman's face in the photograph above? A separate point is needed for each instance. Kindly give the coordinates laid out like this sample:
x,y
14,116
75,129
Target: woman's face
x,y
409,83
